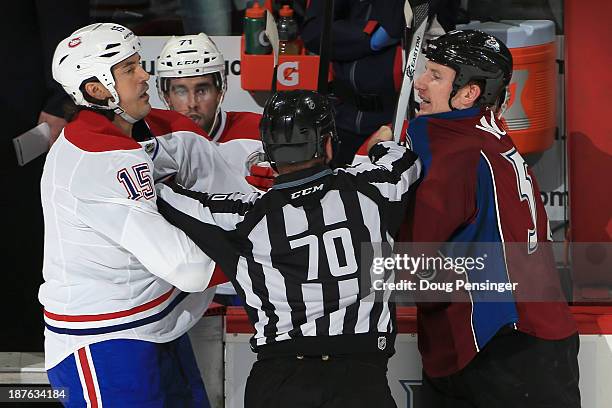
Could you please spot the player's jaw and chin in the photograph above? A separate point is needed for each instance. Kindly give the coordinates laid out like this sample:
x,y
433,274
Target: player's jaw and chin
x,y
131,85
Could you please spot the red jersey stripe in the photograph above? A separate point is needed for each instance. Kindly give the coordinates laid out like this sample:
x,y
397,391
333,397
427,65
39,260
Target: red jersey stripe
x,y
113,315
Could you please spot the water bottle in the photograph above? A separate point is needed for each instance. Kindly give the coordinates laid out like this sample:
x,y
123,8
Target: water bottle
x,y
288,32
255,39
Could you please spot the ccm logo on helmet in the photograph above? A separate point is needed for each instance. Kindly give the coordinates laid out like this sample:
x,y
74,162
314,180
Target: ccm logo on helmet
x,y
307,191
288,74
74,42
188,62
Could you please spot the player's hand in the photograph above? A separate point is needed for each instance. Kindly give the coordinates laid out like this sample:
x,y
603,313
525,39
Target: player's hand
x,y
383,134
56,124
262,176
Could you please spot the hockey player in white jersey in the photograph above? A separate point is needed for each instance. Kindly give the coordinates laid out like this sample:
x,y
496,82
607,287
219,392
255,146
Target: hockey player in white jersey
x,y
122,286
191,79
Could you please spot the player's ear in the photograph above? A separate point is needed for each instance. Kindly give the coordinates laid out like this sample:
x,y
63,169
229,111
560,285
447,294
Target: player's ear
x,y
467,96
474,92
97,91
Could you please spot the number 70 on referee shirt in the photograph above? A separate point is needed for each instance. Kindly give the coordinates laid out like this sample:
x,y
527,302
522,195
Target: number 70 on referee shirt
x,y
340,235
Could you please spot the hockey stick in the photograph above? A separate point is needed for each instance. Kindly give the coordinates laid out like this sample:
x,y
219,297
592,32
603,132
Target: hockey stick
x,y
416,21
325,47
272,33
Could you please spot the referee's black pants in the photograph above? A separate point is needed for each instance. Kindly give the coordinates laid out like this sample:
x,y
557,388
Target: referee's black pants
x,y
513,370
312,381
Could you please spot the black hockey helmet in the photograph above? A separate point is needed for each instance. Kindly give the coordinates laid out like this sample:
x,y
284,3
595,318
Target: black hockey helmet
x,y
295,126
475,56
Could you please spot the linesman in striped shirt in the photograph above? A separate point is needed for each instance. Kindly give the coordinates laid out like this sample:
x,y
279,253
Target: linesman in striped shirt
x,y
300,257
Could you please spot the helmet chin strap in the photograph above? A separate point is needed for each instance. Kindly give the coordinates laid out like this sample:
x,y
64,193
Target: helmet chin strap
x,y
503,105
214,123
217,115
124,115
118,109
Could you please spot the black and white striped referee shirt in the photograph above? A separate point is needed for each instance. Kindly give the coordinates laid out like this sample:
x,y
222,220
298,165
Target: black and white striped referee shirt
x,y
294,254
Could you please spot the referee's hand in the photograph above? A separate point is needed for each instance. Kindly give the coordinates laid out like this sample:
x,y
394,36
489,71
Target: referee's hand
x,y
383,134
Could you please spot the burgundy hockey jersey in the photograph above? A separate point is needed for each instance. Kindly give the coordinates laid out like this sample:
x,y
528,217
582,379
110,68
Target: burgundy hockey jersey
x,y
477,189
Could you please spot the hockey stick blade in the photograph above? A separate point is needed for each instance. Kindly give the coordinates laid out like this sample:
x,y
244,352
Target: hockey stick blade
x,y
272,33
416,29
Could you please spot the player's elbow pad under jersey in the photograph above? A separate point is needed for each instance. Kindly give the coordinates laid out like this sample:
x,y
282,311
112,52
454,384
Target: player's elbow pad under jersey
x,y
191,277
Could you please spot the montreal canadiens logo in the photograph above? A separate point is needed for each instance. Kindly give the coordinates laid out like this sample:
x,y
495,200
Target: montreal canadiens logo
x,y
74,42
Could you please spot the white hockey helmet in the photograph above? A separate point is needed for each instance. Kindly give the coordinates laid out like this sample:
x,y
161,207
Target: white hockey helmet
x,y
189,56
91,52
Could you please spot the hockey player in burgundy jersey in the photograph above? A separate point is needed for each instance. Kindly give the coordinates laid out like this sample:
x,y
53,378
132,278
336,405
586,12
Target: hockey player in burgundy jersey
x,y
122,286
521,349
191,79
